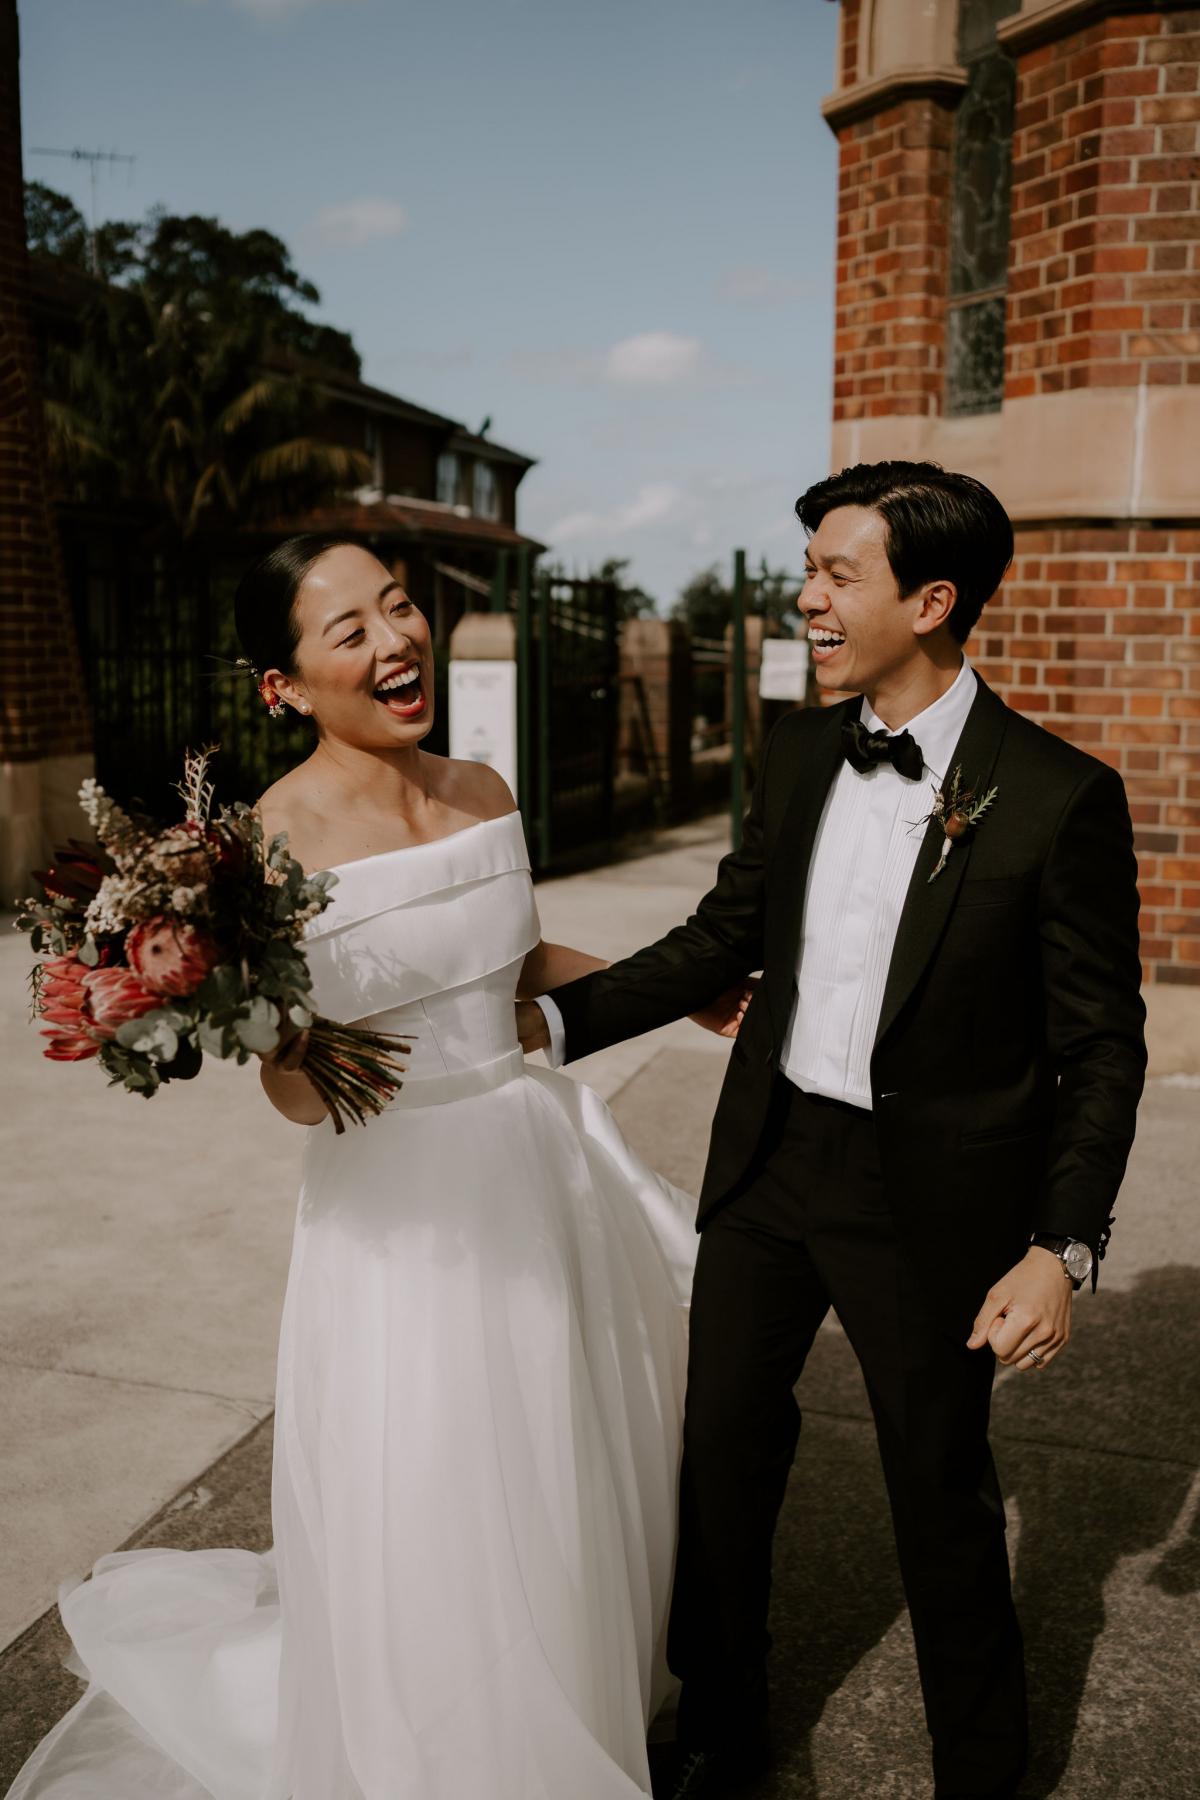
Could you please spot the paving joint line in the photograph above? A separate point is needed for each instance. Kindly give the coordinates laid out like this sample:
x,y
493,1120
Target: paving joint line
x,y
134,1381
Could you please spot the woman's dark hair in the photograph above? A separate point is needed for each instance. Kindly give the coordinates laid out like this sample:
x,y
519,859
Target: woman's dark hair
x,y
940,527
264,607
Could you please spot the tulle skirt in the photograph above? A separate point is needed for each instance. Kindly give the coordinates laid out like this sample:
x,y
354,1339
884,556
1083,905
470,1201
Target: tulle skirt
x,y
477,1439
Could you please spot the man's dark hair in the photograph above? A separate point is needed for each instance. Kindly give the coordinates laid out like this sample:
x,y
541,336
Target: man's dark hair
x,y
940,527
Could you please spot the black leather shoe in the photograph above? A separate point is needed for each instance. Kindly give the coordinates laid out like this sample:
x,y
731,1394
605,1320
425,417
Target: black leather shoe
x,y
709,1774
700,1778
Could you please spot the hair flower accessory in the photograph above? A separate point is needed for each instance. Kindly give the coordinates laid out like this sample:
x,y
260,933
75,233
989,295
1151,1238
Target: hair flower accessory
x,y
269,698
959,810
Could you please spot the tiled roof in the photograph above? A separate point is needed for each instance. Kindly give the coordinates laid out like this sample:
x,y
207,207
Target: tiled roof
x,y
408,518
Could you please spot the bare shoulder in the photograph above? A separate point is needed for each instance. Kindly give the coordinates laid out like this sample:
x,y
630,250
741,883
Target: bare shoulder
x,y
477,789
285,806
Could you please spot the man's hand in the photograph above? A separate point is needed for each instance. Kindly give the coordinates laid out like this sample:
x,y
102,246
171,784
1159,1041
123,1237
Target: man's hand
x,y
1029,1310
532,1028
724,1015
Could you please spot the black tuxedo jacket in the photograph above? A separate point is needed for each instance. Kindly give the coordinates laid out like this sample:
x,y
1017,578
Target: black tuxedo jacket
x,y
1010,1053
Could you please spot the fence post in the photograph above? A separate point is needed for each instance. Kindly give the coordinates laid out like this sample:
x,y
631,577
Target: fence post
x,y
544,651
500,583
737,769
525,794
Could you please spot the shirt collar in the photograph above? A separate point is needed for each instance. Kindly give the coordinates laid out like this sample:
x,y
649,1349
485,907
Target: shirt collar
x,y
937,729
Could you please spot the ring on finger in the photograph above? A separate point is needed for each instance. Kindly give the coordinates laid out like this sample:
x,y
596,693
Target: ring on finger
x,y
1038,1362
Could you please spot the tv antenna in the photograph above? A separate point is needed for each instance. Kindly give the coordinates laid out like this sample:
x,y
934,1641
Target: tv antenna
x,y
93,158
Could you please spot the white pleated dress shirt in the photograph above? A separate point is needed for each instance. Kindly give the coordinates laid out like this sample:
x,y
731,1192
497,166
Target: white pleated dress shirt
x,y
863,858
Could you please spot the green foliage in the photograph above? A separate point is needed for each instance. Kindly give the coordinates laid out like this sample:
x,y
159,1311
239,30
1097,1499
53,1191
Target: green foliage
x,y
187,386
633,602
705,604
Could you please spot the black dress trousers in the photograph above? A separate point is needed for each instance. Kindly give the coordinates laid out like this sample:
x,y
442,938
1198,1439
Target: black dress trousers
x,y
808,1229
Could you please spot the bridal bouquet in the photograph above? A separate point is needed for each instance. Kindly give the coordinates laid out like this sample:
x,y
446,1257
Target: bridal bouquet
x,y
160,944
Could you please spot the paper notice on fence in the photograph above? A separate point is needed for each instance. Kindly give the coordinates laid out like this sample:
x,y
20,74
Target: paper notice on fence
x,y
784,671
483,715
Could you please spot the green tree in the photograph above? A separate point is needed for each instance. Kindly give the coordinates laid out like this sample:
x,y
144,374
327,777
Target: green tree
x,y
191,381
633,602
705,603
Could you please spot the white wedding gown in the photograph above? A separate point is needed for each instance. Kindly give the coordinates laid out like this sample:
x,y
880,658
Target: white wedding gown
x,y
477,1432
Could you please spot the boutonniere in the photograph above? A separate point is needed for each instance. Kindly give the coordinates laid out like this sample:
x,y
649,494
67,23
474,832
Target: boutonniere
x,y
959,810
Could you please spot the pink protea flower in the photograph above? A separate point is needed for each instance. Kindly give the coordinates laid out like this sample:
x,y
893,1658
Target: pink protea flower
x,y
84,1006
62,999
113,996
71,1046
170,957
61,994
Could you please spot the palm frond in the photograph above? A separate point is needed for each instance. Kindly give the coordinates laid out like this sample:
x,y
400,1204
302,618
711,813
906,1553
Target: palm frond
x,y
307,459
254,399
72,444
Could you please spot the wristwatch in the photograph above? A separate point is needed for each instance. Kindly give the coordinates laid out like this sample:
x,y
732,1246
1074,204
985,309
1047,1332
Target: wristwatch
x,y
1075,1256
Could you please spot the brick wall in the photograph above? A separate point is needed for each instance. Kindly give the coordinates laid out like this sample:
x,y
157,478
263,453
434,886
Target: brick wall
x,y
1104,274
1096,636
892,260
848,43
45,711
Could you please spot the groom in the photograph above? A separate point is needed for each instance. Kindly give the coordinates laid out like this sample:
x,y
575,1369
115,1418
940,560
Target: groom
x,y
926,1115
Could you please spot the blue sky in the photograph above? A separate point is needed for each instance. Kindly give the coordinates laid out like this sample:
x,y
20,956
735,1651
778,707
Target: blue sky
x,y
607,223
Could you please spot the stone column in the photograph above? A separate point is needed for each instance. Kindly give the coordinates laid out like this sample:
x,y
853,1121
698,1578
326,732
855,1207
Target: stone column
x,y
45,729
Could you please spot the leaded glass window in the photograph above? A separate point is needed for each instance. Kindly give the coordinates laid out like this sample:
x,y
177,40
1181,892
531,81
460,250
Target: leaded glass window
x,y
980,212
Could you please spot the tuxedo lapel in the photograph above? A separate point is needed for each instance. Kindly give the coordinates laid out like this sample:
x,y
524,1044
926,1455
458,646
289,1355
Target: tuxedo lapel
x,y
928,905
794,848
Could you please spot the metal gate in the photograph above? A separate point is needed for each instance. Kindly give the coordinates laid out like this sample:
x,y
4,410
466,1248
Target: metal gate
x,y
159,650
571,713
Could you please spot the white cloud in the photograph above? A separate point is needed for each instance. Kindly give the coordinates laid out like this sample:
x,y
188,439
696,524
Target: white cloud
x,y
651,505
356,222
649,359
653,357
750,284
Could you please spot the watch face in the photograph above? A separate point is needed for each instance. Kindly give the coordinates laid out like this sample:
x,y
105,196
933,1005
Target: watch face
x,y
1077,1260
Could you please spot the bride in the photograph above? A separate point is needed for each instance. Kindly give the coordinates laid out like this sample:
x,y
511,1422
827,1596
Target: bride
x,y
482,1352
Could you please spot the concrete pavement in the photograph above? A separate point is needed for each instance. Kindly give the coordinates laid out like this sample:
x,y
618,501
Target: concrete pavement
x,y
146,1250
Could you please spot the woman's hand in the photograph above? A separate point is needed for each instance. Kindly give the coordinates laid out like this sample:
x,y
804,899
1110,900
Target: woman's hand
x,y
724,1015
284,1082
288,1053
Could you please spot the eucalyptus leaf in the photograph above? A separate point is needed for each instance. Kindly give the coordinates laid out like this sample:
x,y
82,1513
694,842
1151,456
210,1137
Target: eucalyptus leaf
x,y
257,1035
88,953
212,1039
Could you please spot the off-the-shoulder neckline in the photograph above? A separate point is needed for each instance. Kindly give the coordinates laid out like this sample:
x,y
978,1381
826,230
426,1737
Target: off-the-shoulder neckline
x,y
425,844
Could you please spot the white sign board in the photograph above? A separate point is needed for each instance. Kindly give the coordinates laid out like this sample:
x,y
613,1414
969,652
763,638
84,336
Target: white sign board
x,y
483,715
783,674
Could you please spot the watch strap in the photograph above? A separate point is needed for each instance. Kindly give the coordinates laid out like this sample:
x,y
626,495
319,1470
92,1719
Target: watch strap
x,y
1057,1246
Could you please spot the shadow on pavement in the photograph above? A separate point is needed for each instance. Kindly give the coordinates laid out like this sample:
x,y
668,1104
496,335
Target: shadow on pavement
x,y
1098,1463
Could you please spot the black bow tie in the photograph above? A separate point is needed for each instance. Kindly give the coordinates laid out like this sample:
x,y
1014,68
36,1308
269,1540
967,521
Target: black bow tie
x,y
863,749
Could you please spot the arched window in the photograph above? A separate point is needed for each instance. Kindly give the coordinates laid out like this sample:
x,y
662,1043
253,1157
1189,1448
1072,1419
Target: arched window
x,y
980,210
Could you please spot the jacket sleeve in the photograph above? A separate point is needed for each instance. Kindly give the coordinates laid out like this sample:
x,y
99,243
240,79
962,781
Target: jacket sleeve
x,y
719,945
1095,1015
